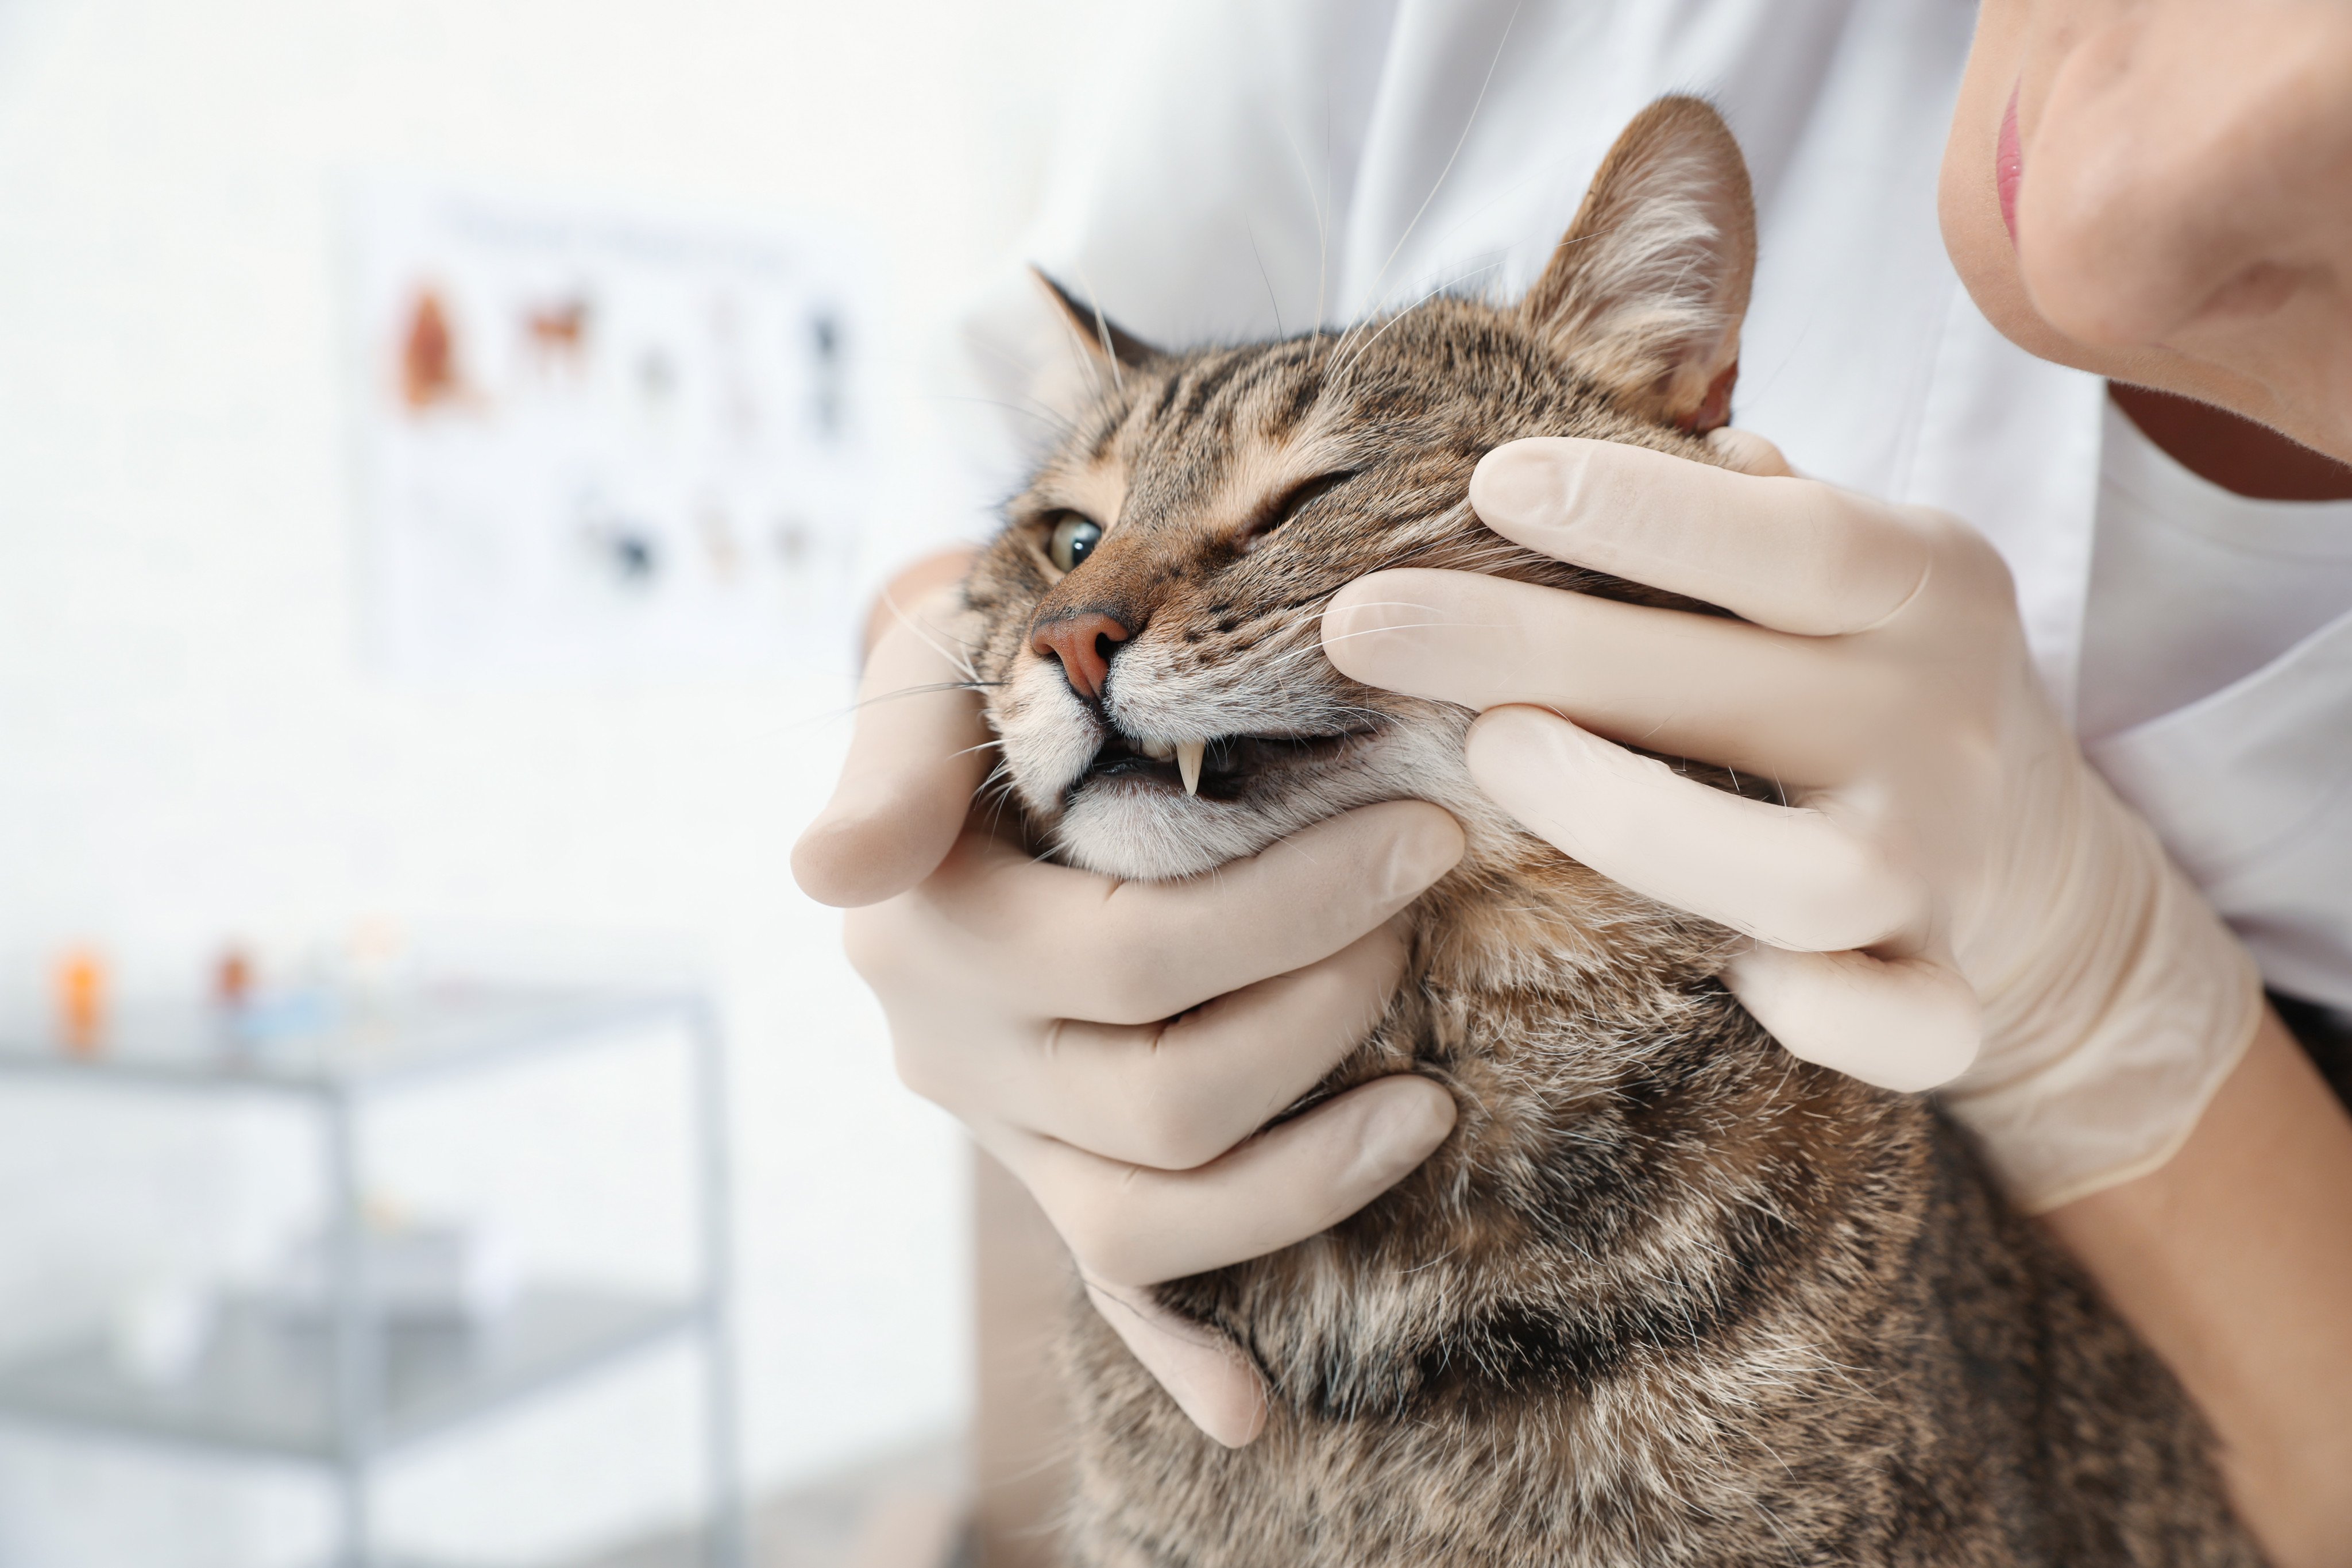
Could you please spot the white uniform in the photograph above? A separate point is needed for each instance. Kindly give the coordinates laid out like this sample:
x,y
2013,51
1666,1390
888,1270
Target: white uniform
x,y
1236,168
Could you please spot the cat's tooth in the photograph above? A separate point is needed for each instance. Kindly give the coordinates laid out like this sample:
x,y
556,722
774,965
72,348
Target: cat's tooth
x,y
1188,762
1158,751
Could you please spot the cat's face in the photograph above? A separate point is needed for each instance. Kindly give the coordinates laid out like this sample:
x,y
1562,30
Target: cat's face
x,y
1161,581
1148,622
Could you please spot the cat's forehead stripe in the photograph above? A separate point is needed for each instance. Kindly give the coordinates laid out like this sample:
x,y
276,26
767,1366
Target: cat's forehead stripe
x,y
1211,377
1168,391
1219,389
1109,423
1306,392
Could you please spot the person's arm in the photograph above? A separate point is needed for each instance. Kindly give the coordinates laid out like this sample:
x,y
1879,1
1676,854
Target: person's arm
x,y
2233,1259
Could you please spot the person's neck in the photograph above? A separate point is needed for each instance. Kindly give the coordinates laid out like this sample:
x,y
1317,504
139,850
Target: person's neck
x,y
2242,457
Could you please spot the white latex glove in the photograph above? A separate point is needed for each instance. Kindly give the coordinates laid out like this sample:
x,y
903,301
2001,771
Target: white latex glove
x,y
1953,897
1116,1045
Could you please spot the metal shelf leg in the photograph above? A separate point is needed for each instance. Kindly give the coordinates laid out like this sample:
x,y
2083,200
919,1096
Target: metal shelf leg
x,y
724,1543
353,1344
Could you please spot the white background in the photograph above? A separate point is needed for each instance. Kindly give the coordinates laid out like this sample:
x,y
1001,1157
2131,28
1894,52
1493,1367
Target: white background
x,y
191,750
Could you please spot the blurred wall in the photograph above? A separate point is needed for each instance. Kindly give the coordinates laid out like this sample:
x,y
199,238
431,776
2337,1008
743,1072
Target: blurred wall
x,y
190,748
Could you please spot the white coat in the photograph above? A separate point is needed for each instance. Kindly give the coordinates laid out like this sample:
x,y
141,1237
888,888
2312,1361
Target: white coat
x,y
1237,168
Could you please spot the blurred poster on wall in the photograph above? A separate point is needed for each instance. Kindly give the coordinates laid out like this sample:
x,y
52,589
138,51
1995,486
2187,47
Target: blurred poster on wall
x,y
601,442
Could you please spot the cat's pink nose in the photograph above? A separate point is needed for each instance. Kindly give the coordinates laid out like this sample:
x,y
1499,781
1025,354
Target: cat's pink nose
x,y
1084,643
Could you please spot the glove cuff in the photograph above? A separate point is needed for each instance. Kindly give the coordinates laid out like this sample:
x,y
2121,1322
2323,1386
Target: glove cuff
x,y
2104,1052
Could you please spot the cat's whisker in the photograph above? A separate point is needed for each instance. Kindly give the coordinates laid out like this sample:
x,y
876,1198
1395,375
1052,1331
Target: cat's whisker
x,y
1386,327
1043,413
1102,331
1323,226
932,637
927,689
1085,357
1021,371
1322,214
1001,801
1016,363
1414,626
1265,279
1394,604
1376,320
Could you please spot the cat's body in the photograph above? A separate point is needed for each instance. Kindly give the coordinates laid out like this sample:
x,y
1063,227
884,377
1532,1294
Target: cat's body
x,y
1666,1295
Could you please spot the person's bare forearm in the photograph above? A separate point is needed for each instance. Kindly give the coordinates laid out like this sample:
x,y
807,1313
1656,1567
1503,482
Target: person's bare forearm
x,y
2235,1261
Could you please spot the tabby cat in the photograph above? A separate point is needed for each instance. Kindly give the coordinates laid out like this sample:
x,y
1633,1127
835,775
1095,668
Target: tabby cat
x,y
1666,1295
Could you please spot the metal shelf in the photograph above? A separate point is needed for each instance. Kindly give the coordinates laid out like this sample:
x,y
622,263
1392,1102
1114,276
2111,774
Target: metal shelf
x,y
342,1047
266,1387
341,1390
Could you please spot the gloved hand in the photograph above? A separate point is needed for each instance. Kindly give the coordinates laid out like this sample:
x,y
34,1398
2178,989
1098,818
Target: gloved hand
x,y
1953,897
1116,1046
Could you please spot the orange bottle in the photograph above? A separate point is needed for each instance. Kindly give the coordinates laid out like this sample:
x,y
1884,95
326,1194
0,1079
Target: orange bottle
x,y
232,979
82,1000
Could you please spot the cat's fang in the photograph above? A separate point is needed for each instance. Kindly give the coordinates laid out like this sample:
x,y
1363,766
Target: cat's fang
x,y
1188,762
1158,751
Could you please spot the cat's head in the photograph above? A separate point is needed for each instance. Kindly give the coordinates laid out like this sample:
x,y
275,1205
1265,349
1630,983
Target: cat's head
x,y
1147,619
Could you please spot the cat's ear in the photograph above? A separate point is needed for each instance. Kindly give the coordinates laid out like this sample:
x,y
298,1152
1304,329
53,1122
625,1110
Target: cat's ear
x,y
1101,335
1647,290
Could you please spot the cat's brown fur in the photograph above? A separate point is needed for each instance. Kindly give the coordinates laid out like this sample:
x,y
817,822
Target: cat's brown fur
x,y
1666,1295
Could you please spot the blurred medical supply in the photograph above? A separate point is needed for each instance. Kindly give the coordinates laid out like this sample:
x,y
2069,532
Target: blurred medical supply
x,y
233,978
450,1272
161,1328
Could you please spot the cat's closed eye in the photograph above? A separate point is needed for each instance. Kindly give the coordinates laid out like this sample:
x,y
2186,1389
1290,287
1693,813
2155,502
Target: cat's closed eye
x,y
1288,506
1074,539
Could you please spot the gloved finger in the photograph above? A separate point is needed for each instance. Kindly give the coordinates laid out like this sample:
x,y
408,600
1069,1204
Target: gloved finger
x,y
1062,943
1218,1387
1905,1024
1748,453
1793,554
1174,1094
1178,1094
1130,1225
1790,877
1804,710
919,751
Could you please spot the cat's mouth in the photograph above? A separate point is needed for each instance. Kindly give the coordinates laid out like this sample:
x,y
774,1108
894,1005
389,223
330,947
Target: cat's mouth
x,y
1222,769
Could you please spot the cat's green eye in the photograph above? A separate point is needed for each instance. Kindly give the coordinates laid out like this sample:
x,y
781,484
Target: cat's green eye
x,y
1072,541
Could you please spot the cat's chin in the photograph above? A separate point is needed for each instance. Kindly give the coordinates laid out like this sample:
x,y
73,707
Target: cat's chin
x,y
1142,833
